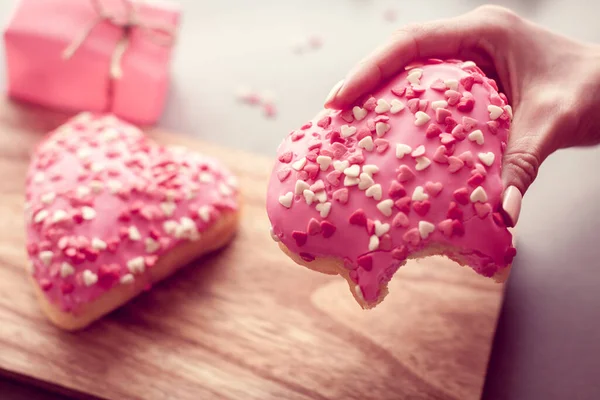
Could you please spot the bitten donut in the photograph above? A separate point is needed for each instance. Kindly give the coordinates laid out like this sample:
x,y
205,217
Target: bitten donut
x,y
109,213
412,170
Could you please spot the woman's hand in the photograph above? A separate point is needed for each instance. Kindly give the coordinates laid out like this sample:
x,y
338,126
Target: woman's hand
x,y
552,83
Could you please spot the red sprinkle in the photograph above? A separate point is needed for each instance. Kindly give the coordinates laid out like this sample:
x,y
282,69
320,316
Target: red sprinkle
x,y
286,157
300,238
476,180
399,91
400,253
370,104
365,261
433,131
385,242
422,207
454,212
108,274
461,196
466,104
328,229
324,122
396,190
441,114
403,204
358,217
509,255
400,220
405,174
314,227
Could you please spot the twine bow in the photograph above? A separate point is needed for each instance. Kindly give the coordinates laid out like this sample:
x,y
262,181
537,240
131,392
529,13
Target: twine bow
x,y
160,34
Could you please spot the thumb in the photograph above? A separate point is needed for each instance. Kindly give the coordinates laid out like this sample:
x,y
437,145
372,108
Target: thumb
x,y
531,141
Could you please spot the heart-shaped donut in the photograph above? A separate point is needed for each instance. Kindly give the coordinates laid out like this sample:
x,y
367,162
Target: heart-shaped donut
x,y
109,212
412,170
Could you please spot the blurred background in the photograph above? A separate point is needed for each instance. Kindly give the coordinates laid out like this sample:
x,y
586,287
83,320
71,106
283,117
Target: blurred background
x,y
292,52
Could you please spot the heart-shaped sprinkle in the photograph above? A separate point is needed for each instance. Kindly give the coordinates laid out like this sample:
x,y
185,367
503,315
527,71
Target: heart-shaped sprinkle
x,y
385,207
434,188
418,152
476,179
381,128
441,114
446,227
334,178
451,84
440,156
469,123
381,145
359,113
365,262
366,181
419,194
352,171
422,207
373,243
323,209
466,104
341,195
370,169
425,229
299,164
375,192
487,158
461,196
396,190
381,228
358,217
340,165
382,106
479,169
351,181
301,186
412,237
482,210
400,220
403,204
366,143
433,130
452,97
396,106
309,196
370,104
455,164
324,162
495,111
422,163
328,229
467,158
300,238
478,195
314,227
438,85
402,150
405,174
347,131
413,105
324,122
421,118
286,199
476,136
414,76
439,104
509,111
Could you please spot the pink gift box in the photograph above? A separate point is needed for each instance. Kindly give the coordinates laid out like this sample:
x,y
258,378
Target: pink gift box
x,y
40,70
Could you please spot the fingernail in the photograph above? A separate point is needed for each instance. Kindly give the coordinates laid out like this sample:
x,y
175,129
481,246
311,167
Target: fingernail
x,y
334,92
511,204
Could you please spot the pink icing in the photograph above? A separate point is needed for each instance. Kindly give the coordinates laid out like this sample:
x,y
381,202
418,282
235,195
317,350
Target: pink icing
x,y
448,148
104,202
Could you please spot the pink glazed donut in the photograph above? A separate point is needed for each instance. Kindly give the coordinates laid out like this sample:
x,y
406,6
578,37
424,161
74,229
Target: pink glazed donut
x,y
412,170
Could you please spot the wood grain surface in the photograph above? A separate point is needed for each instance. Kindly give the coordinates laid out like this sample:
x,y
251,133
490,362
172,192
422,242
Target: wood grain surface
x,y
245,323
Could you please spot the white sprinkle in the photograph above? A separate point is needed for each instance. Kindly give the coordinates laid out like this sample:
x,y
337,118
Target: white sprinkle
x,y
476,136
380,228
373,243
96,186
134,233
468,64
422,163
225,190
323,209
40,216
439,104
98,244
352,171
421,118
487,158
88,213
347,131
83,191
136,265
341,165
370,169
59,216
273,235
385,207
381,128
425,229
168,208
509,111
359,113
351,181
396,106
358,291
419,194
419,151
89,278
39,177
365,181
204,213
66,270
324,162
151,245
84,152
114,186
127,279
414,76
402,150
286,199
382,106
299,164
170,226
309,196
110,134
375,192
301,186
97,167
205,177
321,196
48,198
451,84
478,195
366,143
46,257
495,111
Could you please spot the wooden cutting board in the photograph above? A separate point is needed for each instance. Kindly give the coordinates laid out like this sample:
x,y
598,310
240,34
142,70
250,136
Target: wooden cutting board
x,y
245,323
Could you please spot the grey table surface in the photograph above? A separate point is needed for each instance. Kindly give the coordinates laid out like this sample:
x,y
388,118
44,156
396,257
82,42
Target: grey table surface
x,y
547,344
